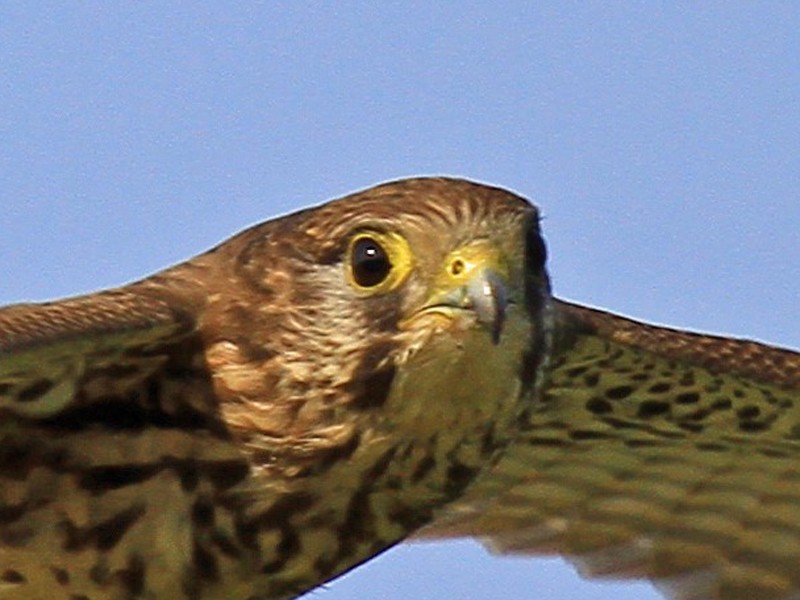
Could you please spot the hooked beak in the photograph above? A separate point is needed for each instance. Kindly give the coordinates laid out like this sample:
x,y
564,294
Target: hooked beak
x,y
487,294
484,294
473,281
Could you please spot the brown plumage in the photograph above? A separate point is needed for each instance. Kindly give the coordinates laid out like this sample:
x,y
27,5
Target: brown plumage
x,y
267,415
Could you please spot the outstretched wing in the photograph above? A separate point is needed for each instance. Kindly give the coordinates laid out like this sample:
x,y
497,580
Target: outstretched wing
x,y
57,356
108,447
654,453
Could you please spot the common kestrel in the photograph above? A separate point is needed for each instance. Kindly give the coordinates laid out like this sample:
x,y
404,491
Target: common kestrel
x,y
253,422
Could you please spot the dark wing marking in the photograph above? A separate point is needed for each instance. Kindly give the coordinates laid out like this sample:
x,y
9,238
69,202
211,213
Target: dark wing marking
x,y
112,452
56,355
749,359
654,453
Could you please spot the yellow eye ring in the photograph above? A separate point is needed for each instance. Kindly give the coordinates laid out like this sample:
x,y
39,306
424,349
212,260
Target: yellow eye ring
x,y
377,262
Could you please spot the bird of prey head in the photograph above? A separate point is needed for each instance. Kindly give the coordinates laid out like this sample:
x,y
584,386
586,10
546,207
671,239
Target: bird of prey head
x,y
386,314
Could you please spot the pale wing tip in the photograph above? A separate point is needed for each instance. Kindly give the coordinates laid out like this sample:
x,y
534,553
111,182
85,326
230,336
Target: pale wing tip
x,y
640,559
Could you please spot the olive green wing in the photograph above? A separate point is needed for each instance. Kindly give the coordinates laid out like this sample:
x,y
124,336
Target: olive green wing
x,y
653,453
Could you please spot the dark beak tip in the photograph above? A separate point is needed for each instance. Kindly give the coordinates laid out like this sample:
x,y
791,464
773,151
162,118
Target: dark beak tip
x,y
497,330
487,293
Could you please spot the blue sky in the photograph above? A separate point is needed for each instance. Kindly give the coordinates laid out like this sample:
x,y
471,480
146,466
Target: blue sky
x,y
661,141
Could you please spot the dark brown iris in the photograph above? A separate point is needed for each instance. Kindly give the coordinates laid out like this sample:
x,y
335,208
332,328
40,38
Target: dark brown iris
x,y
370,262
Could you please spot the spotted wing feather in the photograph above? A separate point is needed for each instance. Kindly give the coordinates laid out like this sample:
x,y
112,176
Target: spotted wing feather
x,y
110,452
654,453
47,350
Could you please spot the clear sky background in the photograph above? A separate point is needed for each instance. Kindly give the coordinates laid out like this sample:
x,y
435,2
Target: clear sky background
x,y
661,141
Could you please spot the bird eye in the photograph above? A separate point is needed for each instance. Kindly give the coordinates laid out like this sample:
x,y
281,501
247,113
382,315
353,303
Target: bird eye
x,y
370,262
377,261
